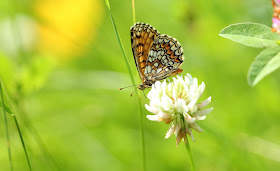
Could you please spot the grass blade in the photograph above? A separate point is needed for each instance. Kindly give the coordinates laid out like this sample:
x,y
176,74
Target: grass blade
x,y
7,109
141,128
6,127
22,141
120,43
7,132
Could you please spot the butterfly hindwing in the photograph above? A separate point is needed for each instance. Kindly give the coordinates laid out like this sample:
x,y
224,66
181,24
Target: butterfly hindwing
x,y
142,38
164,58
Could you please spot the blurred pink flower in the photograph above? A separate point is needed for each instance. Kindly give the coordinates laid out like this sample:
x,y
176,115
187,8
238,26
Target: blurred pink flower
x,y
276,16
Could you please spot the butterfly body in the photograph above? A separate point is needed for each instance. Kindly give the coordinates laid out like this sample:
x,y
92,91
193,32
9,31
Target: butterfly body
x,y
157,56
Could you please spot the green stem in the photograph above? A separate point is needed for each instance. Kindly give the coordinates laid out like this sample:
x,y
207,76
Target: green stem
x,y
121,45
22,142
141,129
189,153
6,127
7,109
141,133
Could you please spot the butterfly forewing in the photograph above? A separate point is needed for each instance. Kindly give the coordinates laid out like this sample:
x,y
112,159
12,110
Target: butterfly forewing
x,y
142,38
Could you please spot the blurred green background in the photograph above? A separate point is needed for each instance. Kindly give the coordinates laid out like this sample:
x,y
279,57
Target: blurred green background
x,y
61,67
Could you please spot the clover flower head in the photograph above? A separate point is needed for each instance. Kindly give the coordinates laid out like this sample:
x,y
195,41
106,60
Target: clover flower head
x,y
176,103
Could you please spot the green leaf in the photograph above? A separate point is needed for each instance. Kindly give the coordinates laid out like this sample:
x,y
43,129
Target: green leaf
x,y
265,63
251,34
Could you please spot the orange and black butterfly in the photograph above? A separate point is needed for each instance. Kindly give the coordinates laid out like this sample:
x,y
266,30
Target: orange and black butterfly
x,y
157,56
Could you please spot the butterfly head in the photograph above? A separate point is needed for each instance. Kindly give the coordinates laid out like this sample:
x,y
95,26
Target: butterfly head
x,y
146,84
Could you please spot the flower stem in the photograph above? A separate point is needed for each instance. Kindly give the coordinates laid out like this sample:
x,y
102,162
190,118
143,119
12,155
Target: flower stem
x,y
141,134
189,153
141,127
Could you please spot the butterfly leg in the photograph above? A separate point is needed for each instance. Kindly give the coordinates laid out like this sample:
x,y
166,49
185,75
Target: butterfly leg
x,y
144,94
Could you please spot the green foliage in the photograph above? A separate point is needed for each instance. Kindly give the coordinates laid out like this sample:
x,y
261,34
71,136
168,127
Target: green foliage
x,y
33,76
26,78
258,36
6,126
86,122
265,63
251,34
7,73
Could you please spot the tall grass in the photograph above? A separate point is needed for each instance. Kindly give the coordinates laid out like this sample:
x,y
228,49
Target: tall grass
x,y
6,109
6,127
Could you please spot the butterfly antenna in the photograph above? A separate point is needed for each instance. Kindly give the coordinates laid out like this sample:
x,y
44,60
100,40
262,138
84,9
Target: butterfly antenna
x,y
132,93
127,87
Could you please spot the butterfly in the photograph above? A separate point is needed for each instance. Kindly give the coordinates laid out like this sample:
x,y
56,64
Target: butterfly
x,y
157,56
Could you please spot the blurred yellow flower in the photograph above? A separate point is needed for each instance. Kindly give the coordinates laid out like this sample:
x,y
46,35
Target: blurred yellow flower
x,y
66,27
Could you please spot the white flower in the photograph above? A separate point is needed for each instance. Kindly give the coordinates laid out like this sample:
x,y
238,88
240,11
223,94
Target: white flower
x,y
177,103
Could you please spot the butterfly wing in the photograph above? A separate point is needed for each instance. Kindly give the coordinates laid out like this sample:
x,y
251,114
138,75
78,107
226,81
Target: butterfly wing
x,y
164,58
142,38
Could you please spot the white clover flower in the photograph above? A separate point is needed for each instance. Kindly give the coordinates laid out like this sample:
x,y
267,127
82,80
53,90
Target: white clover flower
x,y
177,103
